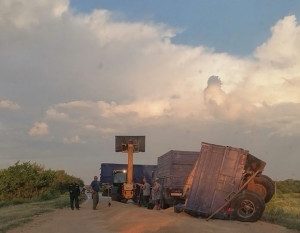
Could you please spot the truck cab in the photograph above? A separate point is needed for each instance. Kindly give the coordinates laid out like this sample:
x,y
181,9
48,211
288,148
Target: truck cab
x,y
113,177
119,178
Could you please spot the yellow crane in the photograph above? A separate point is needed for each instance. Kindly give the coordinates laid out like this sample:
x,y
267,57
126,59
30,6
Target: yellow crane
x,y
128,186
129,145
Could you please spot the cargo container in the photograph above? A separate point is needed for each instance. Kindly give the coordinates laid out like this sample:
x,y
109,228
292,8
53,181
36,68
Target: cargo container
x,y
227,183
173,168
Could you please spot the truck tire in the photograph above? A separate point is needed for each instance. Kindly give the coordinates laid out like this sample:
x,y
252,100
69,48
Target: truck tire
x,y
115,197
162,203
124,200
105,193
269,185
114,194
248,206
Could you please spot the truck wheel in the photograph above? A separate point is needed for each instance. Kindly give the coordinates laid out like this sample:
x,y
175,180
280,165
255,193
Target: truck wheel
x,y
124,200
162,203
135,199
268,183
115,197
248,206
105,193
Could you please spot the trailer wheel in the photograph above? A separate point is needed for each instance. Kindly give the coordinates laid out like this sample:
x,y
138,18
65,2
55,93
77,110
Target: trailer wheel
x,y
179,208
268,183
259,188
248,206
191,212
267,178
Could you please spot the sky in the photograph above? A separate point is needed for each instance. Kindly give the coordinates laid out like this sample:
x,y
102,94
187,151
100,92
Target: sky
x,y
75,74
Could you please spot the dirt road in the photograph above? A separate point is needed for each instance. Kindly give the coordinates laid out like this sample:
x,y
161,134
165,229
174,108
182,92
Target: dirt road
x,y
129,218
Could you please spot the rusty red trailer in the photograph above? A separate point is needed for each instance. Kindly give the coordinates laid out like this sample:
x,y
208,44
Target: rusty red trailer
x,y
227,182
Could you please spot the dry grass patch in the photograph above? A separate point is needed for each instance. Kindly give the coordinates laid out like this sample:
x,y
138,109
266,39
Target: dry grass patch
x,y
284,209
15,215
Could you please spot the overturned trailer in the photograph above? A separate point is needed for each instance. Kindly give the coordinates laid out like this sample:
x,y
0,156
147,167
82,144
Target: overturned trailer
x,y
227,183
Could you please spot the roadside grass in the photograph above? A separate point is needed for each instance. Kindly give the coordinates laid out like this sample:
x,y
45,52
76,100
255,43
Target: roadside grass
x,y
284,210
16,214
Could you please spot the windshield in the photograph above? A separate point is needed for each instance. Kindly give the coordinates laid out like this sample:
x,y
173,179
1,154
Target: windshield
x,y
120,177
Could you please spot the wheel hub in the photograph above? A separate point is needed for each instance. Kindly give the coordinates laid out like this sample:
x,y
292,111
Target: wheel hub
x,y
247,208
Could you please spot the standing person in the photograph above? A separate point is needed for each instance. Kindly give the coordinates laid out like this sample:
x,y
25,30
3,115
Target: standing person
x,y
156,194
74,194
145,187
95,185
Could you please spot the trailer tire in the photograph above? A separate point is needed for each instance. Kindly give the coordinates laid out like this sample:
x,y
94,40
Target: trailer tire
x,y
248,206
268,183
259,188
179,208
191,212
267,178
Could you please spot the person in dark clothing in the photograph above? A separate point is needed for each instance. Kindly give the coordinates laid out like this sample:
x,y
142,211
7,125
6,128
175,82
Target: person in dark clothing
x,y
74,194
95,186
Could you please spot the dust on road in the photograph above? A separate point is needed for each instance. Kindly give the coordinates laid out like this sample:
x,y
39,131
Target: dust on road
x,y
129,218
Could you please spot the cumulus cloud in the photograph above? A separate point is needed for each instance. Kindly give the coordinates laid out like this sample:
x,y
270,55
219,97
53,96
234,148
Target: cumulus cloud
x,y
90,75
24,14
104,118
213,93
105,131
143,109
85,109
72,140
226,106
281,50
274,77
145,87
76,105
7,104
90,127
39,129
54,114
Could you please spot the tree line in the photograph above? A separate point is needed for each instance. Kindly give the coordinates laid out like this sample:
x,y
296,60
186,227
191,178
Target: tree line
x,y
288,186
30,180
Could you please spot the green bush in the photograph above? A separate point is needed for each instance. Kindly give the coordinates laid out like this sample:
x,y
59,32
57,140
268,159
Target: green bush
x,y
288,186
18,201
28,181
3,204
49,195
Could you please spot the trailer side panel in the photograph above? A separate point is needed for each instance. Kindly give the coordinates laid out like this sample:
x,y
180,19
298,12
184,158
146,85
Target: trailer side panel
x,y
218,174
